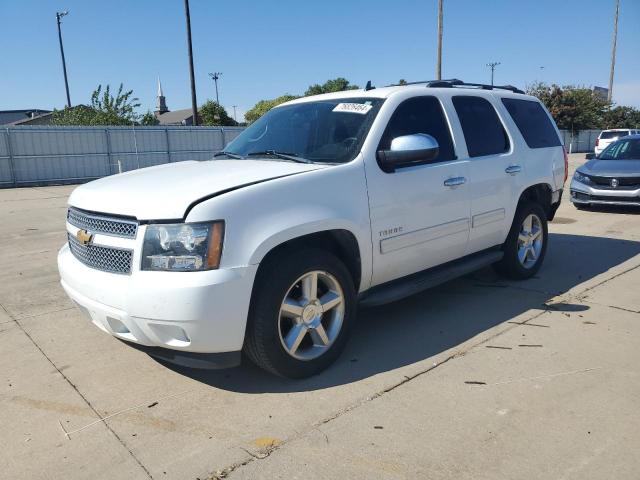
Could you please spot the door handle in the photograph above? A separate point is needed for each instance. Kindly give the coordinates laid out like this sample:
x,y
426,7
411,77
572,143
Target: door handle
x,y
513,169
455,181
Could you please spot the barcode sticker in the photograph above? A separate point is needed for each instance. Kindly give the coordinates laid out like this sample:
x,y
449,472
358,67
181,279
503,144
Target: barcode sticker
x,y
361,108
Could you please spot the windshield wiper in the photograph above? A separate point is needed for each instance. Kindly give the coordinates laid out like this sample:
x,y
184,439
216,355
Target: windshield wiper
x,y
229,154
283,155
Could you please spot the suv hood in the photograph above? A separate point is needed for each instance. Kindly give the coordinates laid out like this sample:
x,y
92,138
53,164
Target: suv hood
x,y
611,168
166,191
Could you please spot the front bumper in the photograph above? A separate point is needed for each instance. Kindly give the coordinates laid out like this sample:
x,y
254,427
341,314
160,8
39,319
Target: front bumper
x,y
587,195
201,312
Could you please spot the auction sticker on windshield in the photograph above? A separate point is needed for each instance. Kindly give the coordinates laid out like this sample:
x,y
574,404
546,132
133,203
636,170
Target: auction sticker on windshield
x,y
361,108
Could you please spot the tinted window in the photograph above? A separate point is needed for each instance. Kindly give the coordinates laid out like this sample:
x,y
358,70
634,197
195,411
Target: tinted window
x,y
481,126
613,134
533,122
420,115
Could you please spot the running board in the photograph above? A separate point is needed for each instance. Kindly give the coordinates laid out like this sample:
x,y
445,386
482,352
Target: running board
x,y
412,284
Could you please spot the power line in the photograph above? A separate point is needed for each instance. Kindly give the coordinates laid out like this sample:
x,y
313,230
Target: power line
x,y
613,52
492,66
194,103
59,15
215,76
439,61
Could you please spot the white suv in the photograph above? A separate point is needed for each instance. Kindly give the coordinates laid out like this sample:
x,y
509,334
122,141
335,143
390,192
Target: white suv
x,y
324,202
607,137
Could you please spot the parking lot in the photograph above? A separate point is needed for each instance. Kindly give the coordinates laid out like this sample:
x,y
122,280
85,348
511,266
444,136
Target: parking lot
x,y
480,378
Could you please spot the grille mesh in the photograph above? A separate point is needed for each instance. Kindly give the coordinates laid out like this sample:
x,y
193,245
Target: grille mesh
x,y
116,227
107,259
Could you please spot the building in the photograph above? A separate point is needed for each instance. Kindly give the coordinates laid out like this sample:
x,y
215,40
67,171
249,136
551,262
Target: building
x,y
166,117
13,116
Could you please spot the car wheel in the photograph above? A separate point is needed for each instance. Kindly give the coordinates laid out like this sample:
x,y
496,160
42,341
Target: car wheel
x,y
301,311
526,244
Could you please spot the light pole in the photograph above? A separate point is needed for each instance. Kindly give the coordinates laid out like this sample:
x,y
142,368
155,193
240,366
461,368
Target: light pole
x,y
234,114
439,61
215,76
492,66
194,103
613,52
59,15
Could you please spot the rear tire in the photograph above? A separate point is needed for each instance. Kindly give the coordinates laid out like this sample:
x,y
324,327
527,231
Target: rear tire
x,y
526,244
302,308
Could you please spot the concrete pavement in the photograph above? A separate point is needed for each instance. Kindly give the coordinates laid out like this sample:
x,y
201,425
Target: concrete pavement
x,y
478,378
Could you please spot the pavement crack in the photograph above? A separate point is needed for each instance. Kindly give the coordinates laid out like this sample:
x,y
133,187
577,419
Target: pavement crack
x,y
75,388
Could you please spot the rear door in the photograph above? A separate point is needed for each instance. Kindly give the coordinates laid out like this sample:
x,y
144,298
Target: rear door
x,y
492,168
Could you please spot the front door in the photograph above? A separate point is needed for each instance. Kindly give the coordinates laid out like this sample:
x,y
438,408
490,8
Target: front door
x,y
419,214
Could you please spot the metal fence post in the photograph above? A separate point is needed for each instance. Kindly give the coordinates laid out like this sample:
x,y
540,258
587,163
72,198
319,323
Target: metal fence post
x,y
166,134
12,167
110,166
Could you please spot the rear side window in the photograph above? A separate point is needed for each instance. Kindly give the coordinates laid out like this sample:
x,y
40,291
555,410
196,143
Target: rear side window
x,y
481,126
607,135
533,122
420,115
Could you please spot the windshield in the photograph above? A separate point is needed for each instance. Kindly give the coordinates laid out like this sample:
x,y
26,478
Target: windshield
x,y
613,134
327,131
622,150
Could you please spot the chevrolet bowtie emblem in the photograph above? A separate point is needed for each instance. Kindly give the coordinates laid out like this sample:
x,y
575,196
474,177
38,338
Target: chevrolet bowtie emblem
x,y
84,237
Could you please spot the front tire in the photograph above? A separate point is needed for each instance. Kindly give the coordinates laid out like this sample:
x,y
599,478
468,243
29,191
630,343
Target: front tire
x,y
526,244
301,312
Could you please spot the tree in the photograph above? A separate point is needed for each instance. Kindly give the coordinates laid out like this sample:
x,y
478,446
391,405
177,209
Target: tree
x,y
263,106
212,113
149,119
622,117
336,85
105,109
573,108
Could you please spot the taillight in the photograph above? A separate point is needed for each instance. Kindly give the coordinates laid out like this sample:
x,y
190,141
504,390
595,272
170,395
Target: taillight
x,y
597,142
566,165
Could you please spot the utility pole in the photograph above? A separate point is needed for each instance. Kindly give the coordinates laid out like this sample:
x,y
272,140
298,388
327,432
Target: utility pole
x,y
613,52
194,103
492,66
59,15
215,76
234,114
439,61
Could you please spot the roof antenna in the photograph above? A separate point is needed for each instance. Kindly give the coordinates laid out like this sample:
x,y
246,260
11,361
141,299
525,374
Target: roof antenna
x,y
368,87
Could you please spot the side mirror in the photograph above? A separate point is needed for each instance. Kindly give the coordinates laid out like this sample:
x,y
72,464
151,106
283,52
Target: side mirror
x,y
590,156
408,150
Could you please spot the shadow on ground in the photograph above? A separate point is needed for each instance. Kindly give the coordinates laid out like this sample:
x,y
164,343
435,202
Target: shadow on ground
x,y
408,331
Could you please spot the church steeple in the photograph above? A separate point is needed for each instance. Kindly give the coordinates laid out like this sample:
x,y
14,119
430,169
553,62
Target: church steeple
x,y
161,104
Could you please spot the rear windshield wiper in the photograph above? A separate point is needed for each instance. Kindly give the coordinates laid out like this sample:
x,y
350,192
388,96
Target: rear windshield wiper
x,y
283,155
229,154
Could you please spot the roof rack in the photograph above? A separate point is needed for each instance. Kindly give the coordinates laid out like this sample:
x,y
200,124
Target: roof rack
x,y
454,82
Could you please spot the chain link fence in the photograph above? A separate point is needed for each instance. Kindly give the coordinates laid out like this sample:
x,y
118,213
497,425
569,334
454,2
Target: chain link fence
x,y
31,155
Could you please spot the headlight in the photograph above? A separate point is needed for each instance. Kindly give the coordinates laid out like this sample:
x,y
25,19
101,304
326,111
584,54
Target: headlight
x,y
182,247
579,177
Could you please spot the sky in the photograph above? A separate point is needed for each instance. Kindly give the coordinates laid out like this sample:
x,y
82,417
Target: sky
x,y
268,48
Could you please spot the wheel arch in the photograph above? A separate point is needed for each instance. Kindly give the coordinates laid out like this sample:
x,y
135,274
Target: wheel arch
x,y
342,242
540,193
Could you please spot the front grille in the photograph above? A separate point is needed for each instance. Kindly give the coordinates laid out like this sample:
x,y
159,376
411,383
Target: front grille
x,y
107,259
603,198
624,183
114,226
